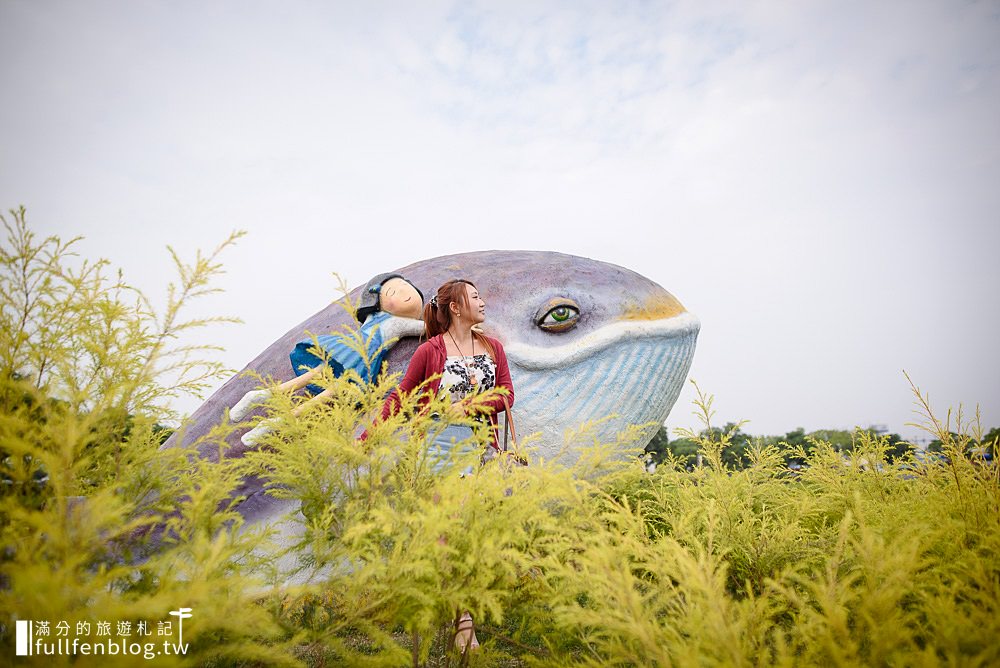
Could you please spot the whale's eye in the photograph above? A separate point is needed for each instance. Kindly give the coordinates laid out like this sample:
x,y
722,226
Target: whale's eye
x,y
558,315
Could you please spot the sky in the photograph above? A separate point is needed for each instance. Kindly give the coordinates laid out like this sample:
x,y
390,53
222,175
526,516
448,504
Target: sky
x,y
819,182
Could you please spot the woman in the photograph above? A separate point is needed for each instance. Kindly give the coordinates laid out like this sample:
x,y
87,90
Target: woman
x,y
459,360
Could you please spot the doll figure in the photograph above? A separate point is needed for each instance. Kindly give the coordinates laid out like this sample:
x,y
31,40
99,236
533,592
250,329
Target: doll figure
x,y
390,309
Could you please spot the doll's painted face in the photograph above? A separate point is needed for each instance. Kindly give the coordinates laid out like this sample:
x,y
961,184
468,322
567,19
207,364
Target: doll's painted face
x,y
400,298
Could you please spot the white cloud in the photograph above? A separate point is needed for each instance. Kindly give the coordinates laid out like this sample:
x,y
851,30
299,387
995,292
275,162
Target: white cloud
x,y
817,181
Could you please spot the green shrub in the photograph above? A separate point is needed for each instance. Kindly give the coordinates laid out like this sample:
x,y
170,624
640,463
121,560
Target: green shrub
x,y
872,559
87,370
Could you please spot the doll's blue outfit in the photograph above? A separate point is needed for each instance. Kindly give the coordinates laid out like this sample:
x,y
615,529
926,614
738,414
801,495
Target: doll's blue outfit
x,y
341,356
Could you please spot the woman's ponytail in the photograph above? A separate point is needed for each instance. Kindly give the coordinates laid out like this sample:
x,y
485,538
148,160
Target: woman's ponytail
x,y
431,326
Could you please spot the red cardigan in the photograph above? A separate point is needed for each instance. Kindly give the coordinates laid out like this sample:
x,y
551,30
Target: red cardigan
x,y
428,362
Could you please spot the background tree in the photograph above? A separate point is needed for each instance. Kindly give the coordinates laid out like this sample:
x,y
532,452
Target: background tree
x,y
658,446
990,442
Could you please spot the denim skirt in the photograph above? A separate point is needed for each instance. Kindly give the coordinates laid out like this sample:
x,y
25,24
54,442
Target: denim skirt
x,y
447,444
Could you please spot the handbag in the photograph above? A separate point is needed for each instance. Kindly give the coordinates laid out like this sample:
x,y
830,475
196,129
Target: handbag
x,y
508,429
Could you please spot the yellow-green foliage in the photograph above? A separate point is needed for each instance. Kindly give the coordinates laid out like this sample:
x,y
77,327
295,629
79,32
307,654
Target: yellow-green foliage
x,y
86,370
849,562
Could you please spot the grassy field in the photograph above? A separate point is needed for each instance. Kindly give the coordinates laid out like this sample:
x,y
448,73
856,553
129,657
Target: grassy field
x,y
857,561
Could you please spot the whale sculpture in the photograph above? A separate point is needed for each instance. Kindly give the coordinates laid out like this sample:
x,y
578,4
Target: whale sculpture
x,y
584,339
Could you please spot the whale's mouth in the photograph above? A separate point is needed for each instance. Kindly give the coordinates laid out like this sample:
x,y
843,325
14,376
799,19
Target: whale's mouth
x,y
550,357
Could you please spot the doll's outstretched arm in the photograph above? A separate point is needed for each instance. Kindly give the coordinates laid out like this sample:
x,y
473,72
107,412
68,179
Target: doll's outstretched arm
x,y
396,327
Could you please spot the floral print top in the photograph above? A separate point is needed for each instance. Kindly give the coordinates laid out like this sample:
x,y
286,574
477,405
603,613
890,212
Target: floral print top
x,y
459,370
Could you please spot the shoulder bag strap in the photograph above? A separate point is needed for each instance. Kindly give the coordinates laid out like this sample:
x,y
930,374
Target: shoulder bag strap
x,y
509,427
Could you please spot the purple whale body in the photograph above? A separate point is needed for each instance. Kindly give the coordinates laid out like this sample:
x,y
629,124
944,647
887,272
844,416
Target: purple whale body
x,y
585,340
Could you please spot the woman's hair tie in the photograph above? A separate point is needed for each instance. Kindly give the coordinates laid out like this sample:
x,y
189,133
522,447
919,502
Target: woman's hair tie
x,y
434,301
